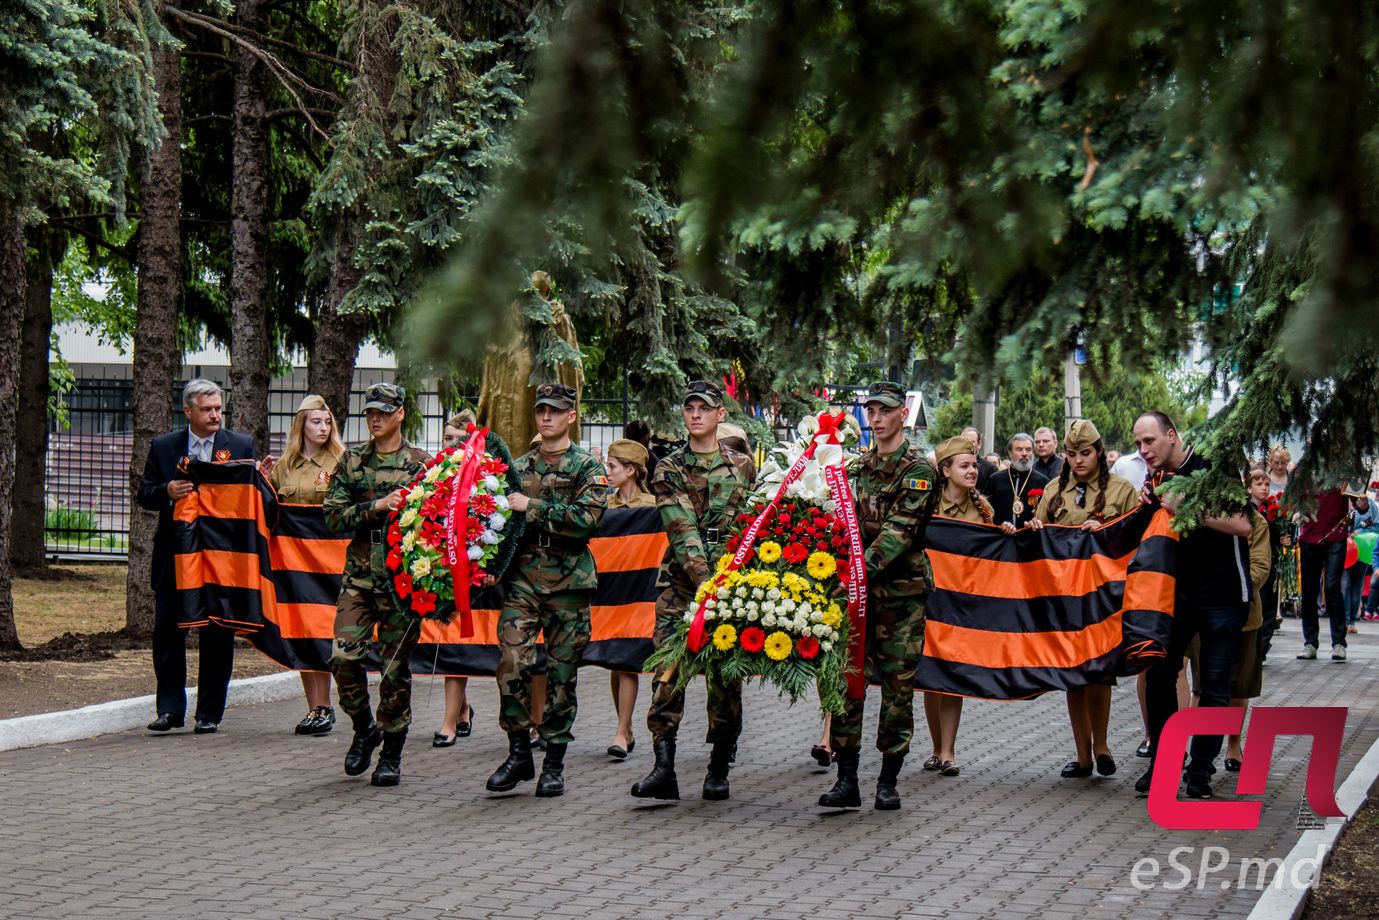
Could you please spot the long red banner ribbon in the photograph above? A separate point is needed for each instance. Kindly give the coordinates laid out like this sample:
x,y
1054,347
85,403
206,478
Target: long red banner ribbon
x,y
857,581
457,553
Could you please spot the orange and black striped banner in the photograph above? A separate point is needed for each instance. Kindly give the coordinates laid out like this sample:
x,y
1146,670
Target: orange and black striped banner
x,y
1011,617
272,571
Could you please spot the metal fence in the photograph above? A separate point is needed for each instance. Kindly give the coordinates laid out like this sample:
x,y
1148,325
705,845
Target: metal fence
x,y
86,492
87,500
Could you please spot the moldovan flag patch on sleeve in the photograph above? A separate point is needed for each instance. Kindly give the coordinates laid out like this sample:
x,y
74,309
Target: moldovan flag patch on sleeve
x,y
1012,617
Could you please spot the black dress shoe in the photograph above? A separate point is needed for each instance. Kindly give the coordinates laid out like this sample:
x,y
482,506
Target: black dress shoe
x,y
1142,750
166,721
462,729
1232,765
204,727
1105,764
1198,788
1074,770
1142,784
440,739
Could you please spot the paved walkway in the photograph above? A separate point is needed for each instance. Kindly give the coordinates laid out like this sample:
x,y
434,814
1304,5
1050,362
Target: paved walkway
x,y
255,822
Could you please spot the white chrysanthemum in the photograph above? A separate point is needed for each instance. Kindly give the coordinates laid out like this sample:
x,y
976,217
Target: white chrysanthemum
x,y
421,567
409,517
496,522
491,483
500,500
491,538
475,553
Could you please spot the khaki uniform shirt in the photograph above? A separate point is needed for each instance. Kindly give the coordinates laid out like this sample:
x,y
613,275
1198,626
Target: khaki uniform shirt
x,y
307,481
643,500
972,508
1121,498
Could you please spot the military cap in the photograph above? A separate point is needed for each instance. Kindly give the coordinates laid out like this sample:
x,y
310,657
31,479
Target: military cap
x,y
628,452
706,390
886,393
557,395
385,397
950,448
313,402
1081,435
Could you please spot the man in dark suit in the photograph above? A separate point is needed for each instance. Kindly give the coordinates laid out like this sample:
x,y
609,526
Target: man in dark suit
x,y
162,486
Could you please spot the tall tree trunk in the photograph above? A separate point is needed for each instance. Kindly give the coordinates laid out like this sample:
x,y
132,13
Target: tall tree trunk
x,y
156,353
11,318
338,336
31,422
250,346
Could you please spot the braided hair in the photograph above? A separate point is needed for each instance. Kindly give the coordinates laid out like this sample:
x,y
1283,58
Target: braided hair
x,y
1103,478
979,501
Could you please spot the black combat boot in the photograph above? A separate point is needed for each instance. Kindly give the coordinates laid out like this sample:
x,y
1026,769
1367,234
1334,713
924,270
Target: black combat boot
x,y
887,799
517,767
389,771
367,738
552,782
844,793
660,783
716,780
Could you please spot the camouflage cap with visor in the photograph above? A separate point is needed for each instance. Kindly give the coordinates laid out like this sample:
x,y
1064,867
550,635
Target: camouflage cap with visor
x,y
706,390
556,395
385,397
886,393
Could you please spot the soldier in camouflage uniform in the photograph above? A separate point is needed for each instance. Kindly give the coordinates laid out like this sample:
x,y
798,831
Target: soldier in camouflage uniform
x,y
552,581
701,489
894,488
364,492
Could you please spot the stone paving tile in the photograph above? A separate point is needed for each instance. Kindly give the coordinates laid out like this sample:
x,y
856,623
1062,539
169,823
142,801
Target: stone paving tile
x,y
256,822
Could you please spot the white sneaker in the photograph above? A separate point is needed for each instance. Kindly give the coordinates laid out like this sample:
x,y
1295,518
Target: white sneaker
x,y
1338,653
1308,651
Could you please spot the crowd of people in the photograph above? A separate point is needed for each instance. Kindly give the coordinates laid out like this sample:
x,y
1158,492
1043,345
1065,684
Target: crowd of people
x,y
1228,597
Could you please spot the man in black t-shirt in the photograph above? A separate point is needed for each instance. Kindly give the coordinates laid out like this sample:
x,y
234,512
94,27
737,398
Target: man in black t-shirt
x,y
1211,600
1015,491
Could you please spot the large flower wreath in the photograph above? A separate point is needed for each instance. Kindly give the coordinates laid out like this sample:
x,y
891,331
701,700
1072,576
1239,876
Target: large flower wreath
x,y
782,603
454,523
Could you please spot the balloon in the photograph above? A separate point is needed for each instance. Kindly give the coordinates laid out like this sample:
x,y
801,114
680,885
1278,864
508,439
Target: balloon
x,y
1364,546
1352,552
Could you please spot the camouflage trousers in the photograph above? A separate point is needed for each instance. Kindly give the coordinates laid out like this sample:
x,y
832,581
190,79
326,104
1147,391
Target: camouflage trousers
x,y
562,619
357,614
668,704
895,641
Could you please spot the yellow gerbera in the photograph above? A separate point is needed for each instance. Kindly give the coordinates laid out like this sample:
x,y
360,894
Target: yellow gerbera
x,y
778,645
769,551
725,637
821,565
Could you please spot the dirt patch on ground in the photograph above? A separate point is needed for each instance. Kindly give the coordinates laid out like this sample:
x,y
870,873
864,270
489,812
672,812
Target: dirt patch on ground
x,y
1349,885
70,621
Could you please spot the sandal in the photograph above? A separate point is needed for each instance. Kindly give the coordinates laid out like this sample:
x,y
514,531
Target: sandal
x,y
948,768
822,755
933,763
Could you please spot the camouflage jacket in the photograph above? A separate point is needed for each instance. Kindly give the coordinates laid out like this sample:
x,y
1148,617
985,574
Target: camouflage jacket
x,y
567,502
895,494
699,499
364,476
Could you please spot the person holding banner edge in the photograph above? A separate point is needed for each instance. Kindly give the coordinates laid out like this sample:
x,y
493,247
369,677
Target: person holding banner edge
x,y
1087,495
364,492
700,490
895,490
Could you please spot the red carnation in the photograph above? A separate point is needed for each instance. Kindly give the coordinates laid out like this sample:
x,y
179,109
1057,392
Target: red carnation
x,y
784,520
795,553
1035,494
423,602
808,647
752,639
403,584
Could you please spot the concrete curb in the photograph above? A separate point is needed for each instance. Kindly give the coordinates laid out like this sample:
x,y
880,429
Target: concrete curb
x,y
123,715
1314,847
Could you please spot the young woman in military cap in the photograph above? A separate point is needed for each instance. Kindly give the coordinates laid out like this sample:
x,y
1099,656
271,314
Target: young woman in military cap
x,y
627,463
1086,495
956,459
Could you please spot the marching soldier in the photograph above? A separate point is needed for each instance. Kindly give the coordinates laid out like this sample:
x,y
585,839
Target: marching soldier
x,y
700,489
895,489
364,491
564,493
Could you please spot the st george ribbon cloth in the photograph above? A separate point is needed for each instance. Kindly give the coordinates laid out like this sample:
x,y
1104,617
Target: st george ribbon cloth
x,y
272,571
1013,616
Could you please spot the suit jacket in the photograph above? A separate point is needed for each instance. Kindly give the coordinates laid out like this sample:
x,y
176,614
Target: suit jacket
x,y
164,454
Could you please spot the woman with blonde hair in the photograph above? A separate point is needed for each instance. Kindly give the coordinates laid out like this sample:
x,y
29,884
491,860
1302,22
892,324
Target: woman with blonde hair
x,y
1279,458
627,477
956,462
302,477
1086,495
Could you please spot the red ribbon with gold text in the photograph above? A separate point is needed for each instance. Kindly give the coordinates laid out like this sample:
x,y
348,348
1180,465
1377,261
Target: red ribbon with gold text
x,y
457,553
828,427
857,580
